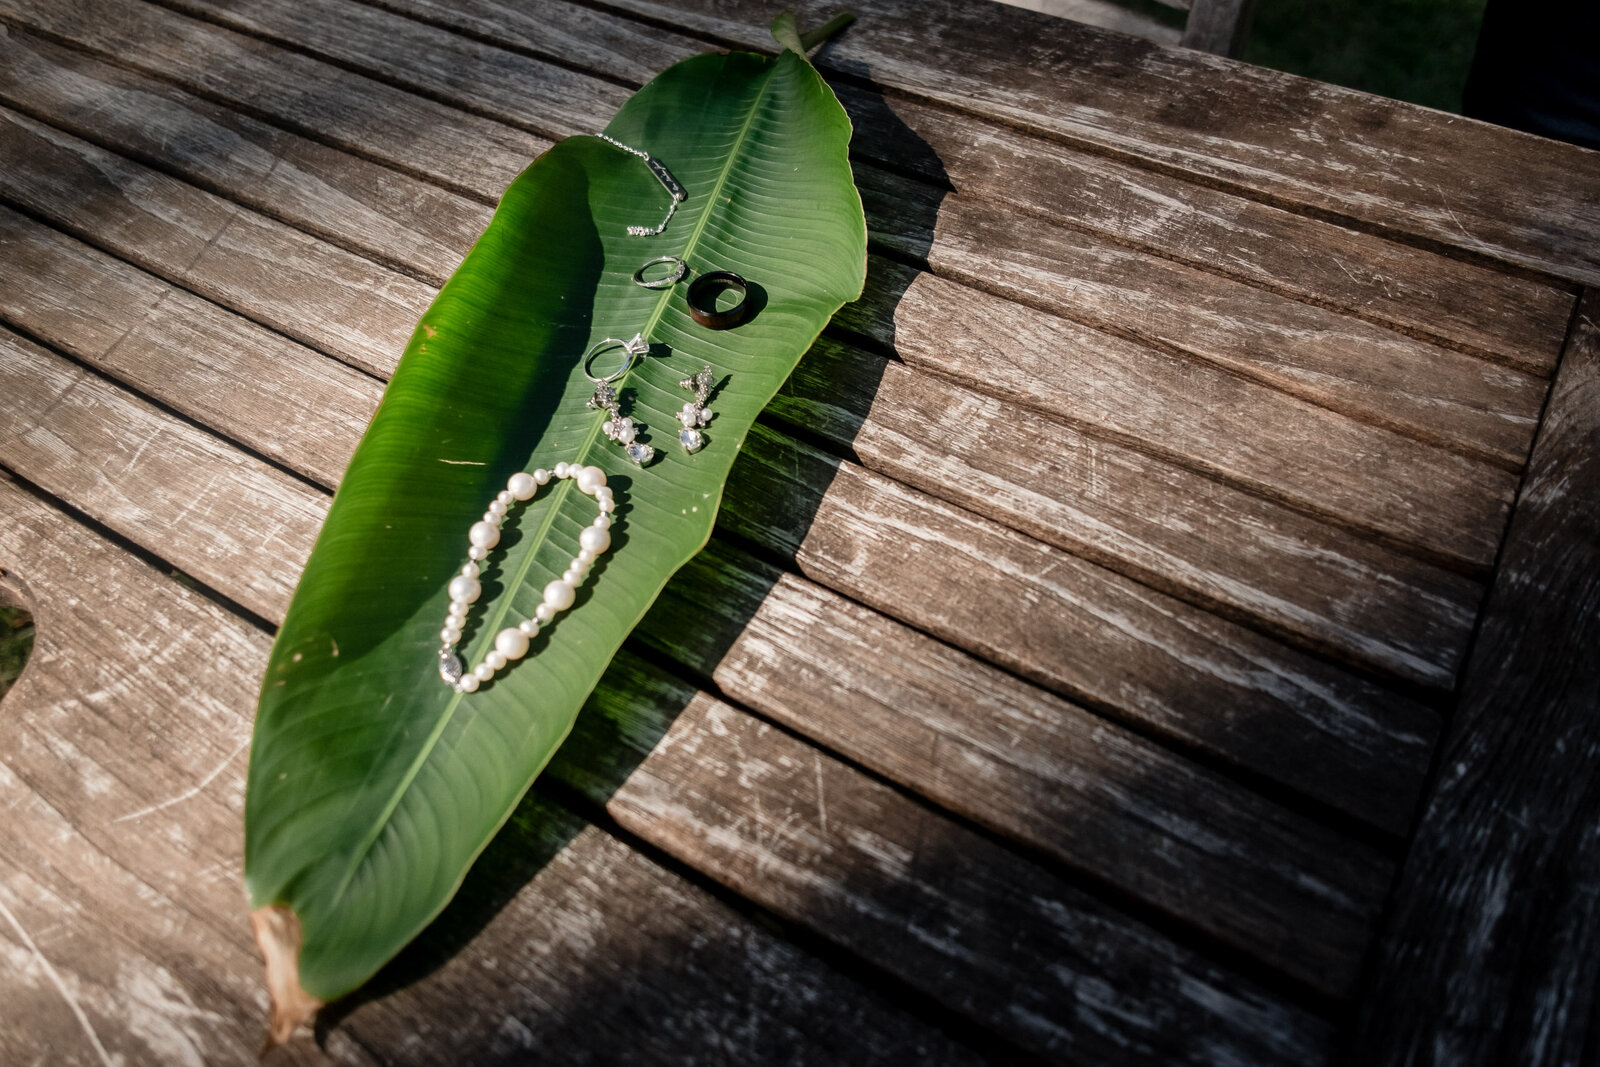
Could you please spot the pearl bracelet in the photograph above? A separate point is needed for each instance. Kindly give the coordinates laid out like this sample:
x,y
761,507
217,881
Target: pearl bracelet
x,y
511,643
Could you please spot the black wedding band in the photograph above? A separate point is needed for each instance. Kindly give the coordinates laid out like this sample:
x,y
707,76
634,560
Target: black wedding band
x,y
703,293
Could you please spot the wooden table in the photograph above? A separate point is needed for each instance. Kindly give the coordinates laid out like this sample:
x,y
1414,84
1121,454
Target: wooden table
x,y
1082,625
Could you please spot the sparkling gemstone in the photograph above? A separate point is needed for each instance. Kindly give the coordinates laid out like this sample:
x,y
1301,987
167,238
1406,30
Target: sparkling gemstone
x,y
641,454
691,439
450,667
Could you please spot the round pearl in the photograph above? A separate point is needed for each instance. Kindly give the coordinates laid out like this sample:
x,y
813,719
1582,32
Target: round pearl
x,y
469,683
559,595
601,522
470,570
593,539
504,498
522,486
477,553
563,469
528,627
511,643
541,476
545,613
464,590
496,509
591,479
457,616
483,535
573,577
495,660
608,506
483,672
587,557
450,634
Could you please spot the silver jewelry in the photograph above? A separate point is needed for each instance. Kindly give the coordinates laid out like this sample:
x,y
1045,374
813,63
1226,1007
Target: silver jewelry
x,y
695,414
664,176
511,644
617,427
665,282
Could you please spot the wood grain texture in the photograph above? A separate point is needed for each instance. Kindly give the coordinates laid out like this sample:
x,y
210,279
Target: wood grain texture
x,y
1380,163
1163,524
1367,372
1282,447
1280,886
1061,622
1247,860
989,934
915,433
213,247
1493,948
122,778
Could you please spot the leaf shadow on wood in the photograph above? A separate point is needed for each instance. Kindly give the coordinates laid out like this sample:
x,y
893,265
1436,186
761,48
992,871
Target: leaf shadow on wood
x,y
654,679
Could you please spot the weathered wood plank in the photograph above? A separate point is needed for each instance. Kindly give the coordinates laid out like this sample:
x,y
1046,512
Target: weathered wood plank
x,y
319,189
134,467
989,934
1511,318
1310,458
107,825
188,353
364,312
1059,621
1242,873
387,215
1181,532
1377,162
1493,951
1370,373
1349,365
457,150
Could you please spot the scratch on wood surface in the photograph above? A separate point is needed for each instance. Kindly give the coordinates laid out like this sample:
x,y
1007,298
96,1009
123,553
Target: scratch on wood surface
x,y
187,793
61,987
822,806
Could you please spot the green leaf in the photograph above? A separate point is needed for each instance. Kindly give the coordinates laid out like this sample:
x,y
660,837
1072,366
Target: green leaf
x,y
372,785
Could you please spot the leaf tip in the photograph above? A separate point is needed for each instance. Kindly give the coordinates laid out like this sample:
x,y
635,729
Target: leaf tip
x,y
277,931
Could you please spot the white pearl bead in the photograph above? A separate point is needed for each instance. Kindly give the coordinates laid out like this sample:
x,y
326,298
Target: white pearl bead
x,y
464,590
594,539
541,476
470,570
496,509
483,535
545,613
563,469
450,634
457,618
608,506
591,479
504,498
522,486
495,660
559,595
529,627
573,577
626,434
587,557
601,522
511,643
477,553
483,672
469,683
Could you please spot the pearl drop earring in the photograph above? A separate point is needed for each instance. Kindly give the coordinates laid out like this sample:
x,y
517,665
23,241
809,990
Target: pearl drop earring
x,y
511,644
695,414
